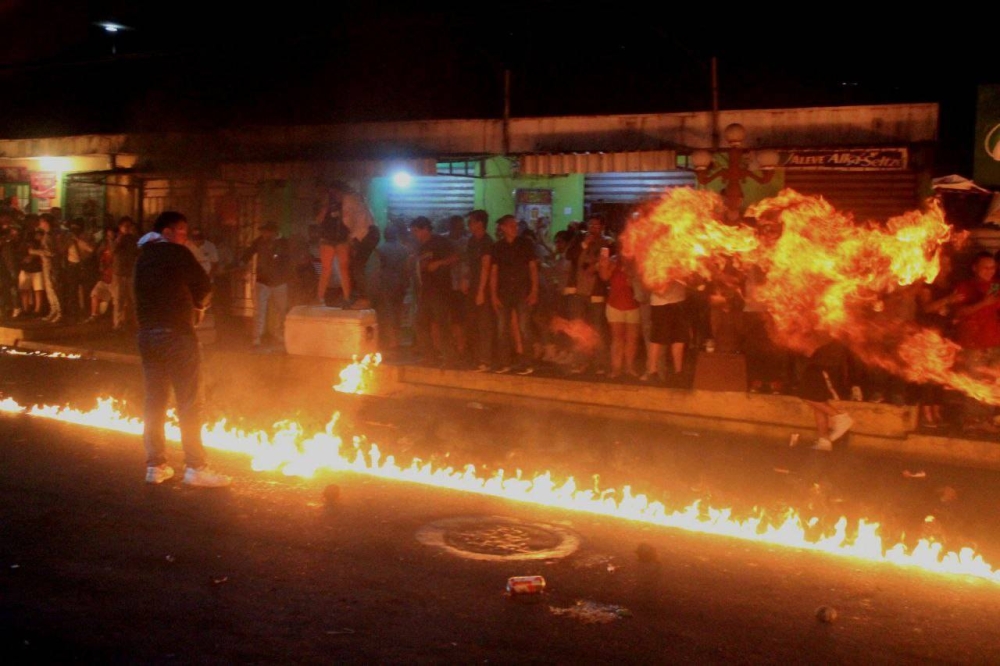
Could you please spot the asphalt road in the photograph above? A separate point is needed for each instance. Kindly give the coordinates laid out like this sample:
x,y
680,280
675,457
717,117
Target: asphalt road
x,y
96,566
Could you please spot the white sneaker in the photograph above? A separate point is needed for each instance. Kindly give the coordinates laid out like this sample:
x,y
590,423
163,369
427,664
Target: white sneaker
x,y
159,473
839,425
205,478
822,444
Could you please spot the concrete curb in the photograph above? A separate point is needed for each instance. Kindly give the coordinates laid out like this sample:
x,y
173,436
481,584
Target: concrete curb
x,y
880,429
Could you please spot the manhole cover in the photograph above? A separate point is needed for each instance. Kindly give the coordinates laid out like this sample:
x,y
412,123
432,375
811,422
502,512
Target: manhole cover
x,y
499,539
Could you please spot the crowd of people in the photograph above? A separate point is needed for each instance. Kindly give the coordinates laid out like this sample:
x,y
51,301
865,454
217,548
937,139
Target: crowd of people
x,y
458,294
510,302
53,270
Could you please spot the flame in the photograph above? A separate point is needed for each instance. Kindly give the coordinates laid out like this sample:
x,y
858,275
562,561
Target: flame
x,y
680,237
826,275
582,335
289,450
356,378
17,352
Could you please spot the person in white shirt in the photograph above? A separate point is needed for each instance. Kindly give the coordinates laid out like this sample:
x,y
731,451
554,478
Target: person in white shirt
x,y
204,251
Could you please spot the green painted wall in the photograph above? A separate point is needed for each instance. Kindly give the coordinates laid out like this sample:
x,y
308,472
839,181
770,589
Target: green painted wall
x,y
495,192
377,196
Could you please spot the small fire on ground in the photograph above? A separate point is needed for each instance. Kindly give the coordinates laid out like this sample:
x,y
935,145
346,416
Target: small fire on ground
x,y
357,377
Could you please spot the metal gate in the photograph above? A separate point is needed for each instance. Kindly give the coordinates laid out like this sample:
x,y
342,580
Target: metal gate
x,y
869,195
617,196
86,200
228,212
434,197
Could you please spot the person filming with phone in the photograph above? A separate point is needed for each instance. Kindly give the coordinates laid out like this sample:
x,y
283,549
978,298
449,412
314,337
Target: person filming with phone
x,y
977,330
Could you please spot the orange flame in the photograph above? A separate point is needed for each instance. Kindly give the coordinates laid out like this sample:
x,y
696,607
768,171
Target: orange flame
x,y
294,453
356,378
18,352
826,275
583,336
680,236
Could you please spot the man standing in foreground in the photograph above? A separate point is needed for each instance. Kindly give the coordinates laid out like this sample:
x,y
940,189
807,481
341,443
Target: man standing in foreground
x,y
171,291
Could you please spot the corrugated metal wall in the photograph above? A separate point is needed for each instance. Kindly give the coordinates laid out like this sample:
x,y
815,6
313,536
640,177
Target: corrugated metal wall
x,y
630,188
638,161
868,195
435,197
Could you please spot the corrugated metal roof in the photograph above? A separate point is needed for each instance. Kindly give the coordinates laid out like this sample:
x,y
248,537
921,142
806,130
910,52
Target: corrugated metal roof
x,y
617,162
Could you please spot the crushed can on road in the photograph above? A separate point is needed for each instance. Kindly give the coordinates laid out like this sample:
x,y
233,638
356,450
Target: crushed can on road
x,y
517,585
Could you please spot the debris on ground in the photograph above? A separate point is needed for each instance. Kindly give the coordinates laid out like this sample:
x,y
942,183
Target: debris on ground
x,y
691,433
781,470
826,614
343,631
518,585
219,580
914,475
591,612
475,405
170,558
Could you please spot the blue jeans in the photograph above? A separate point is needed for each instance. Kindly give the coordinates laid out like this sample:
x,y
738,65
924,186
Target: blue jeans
x,y
171,358
507,348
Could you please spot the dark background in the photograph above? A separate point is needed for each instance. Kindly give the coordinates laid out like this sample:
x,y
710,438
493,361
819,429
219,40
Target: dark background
x,y
186,65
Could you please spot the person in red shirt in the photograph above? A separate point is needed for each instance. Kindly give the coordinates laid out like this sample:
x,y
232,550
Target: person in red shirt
x,y
622,311
977,330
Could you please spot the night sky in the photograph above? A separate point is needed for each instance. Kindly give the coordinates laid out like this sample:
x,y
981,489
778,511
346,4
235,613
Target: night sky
x,y
296,63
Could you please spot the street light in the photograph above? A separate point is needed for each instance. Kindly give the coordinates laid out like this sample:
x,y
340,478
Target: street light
x,y
736,170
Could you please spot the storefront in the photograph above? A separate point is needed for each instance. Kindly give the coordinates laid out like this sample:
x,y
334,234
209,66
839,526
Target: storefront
x,y
873,184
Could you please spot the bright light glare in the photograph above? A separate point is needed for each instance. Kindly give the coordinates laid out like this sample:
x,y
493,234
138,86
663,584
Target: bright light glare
x,y
402,179
54,163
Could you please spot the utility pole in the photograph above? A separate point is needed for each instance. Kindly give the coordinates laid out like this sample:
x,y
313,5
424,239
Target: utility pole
x,y
715,103
506,111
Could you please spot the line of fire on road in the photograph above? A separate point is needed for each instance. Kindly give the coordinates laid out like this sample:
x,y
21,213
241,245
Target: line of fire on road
x,y
288,449
13,351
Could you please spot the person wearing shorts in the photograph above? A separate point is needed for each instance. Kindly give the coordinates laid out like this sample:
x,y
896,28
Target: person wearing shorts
x,y
670,325
348,233
623,314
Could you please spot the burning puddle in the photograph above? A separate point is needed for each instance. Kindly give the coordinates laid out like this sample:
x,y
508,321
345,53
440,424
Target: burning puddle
x,y
499,539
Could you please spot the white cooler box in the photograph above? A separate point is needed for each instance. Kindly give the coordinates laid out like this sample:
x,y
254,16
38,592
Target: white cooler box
x,y
318,331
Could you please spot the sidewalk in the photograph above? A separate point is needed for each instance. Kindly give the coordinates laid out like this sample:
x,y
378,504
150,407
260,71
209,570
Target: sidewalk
x,y
880,429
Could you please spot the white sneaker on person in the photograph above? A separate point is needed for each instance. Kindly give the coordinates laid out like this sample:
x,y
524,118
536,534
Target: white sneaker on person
x,y
822,444
159,473
203,477
483,367
839,425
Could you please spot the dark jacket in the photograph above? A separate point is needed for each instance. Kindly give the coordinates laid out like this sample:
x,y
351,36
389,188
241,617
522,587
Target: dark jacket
x,y
169,285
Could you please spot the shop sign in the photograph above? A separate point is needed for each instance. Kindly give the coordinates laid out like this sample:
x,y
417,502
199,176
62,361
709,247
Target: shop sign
x,y
845,159
43,188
